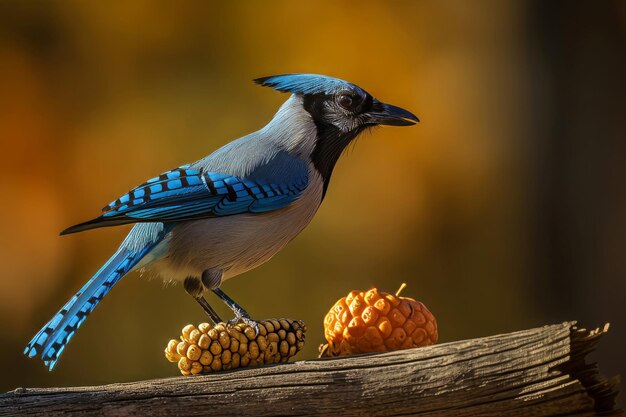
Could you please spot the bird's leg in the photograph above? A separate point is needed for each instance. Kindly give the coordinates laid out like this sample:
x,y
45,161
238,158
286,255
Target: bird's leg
x,y
240,313
193,286
212,279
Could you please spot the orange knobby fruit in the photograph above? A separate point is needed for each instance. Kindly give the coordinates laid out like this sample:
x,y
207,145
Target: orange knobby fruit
x,y
376,321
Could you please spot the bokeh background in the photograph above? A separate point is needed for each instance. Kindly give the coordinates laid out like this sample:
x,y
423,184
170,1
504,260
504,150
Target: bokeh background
x,y
504,209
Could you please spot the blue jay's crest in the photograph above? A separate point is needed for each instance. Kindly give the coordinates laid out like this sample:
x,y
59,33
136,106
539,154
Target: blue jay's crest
x,y
305,83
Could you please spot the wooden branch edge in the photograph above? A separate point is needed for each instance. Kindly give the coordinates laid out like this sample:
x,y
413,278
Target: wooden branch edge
x,y
536,372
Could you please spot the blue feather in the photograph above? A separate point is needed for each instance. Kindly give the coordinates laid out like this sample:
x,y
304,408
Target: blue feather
x,y
306,83
51,340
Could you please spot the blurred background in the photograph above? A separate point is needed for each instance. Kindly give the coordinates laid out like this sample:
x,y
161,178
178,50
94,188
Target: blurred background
x,y
504,209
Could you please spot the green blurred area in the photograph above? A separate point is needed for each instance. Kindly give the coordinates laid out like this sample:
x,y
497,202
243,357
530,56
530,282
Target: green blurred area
x,y
503,209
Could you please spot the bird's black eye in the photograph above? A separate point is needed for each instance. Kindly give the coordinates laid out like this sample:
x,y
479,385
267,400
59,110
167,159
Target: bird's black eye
x,y
346,101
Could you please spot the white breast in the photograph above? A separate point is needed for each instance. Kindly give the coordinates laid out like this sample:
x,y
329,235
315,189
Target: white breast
x,y
238,243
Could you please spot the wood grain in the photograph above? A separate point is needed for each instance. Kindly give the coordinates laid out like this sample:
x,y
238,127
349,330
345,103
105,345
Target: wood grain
x,y
536,372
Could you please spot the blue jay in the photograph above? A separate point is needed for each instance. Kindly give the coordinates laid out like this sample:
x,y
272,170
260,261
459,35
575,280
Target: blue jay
x,y
233,210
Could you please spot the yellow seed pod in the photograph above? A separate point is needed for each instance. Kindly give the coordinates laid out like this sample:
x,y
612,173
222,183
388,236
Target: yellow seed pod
x,y
182,347
226,356
234,345
194,336
245,360
171,345
250,333
216,365
184,364
273,337
187,331
194,352
276,324
224,339
206,358
236,334
235,360
215,348
196,368
208,348
172,357
213,333
253,348
204,341
170,351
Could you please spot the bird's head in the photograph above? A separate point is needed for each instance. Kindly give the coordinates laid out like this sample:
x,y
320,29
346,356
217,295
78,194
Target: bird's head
x,y
337,104
339,110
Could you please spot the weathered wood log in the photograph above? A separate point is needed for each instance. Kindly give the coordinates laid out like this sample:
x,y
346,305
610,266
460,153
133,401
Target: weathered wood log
x,y
537,372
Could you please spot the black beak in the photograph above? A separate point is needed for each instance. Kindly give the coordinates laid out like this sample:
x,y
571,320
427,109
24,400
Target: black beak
x,y
386,114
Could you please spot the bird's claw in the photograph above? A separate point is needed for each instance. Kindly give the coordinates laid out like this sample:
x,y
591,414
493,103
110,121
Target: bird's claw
x,y
245,320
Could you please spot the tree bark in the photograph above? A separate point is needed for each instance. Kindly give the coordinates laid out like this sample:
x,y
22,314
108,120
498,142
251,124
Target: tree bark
x,y
537,372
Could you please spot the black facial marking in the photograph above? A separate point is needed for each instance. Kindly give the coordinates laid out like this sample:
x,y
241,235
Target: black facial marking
x,y
331,141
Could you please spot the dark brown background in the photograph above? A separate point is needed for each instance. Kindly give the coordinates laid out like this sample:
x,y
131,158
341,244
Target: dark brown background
x,y
504,209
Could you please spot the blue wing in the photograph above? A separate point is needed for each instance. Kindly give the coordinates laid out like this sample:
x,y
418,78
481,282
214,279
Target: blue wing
x,y
187,193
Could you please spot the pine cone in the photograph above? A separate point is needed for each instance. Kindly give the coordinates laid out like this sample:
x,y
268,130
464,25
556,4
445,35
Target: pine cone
x,y
209,348
376,321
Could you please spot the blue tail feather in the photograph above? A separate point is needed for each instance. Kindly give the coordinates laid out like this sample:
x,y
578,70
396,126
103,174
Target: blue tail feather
x,y
51,340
